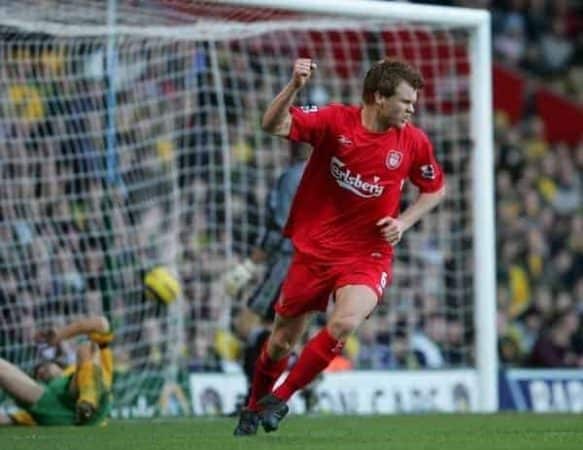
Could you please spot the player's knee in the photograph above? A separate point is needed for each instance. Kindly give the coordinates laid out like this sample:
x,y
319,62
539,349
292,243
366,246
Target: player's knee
x,y
342,327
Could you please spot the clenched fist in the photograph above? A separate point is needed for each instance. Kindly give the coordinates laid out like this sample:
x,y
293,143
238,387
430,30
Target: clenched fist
x,y
303,68
391,229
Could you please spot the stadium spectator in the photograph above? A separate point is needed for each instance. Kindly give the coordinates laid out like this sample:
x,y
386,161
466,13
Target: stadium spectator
x,y
529,326
556,48
404,354
428,340
553,348
203,356
373,354
454,351
509,350
510,41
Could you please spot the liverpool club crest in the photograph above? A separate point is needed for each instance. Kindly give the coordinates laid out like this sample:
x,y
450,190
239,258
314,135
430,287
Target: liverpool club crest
x,y
394,159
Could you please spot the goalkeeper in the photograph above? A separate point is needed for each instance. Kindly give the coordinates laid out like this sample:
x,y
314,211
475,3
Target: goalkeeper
x,y
77,395
252,324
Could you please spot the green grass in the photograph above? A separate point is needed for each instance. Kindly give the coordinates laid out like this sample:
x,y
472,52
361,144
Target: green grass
x,y
443,432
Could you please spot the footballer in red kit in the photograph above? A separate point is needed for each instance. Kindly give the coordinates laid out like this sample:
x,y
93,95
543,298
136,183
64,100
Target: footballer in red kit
x,y
361,175
344,221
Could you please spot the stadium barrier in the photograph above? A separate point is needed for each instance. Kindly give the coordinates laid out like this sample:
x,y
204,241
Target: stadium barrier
x,y
353,392
541,391
402,392
371,392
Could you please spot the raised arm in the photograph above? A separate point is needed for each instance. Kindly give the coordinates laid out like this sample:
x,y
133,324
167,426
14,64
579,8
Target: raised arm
x,y
277,119
96,324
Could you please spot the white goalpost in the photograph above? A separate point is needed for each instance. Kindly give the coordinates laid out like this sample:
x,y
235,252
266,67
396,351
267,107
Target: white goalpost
x,y
130,138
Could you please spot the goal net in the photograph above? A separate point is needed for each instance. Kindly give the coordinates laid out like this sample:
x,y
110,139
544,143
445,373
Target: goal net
x,y
130,139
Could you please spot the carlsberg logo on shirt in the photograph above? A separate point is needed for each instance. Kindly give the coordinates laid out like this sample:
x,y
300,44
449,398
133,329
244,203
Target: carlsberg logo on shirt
x,y
354,182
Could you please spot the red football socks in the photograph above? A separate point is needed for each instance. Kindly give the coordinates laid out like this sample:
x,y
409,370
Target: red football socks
x,y
266,373
315,357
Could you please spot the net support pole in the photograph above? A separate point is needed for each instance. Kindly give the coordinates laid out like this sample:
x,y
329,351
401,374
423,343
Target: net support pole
x,y
225,318
110,73
225,148
110,156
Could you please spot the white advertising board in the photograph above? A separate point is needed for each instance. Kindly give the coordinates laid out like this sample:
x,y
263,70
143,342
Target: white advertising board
x,y
373,392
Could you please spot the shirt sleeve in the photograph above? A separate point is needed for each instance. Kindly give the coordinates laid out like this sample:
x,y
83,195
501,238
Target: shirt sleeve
x,y
425,172
310,123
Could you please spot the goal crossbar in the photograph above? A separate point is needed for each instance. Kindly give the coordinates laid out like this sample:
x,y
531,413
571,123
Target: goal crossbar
x,y
429,14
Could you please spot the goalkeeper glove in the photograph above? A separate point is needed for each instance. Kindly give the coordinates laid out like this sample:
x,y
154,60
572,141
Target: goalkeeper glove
x,y
239,276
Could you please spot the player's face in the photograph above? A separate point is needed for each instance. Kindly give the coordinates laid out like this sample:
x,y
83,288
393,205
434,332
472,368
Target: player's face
x,y
399,108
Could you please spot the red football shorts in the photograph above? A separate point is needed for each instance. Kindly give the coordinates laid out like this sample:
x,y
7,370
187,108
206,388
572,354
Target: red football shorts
x,y
310,282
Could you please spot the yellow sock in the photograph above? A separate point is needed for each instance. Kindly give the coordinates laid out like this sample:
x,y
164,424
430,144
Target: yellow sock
x,y
87,382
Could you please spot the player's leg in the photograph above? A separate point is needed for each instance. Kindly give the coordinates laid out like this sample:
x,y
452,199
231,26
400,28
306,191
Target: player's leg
x,y
18,384
301,294
353,304
260,308
253,323
269,366
87,382
274,356
357,288
253,347
253,332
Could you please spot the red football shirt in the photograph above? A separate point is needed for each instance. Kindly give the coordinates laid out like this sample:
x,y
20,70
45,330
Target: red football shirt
x,y
354,178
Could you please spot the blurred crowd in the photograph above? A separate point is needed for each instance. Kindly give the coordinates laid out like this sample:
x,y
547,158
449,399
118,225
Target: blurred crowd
x,y
540,247
539,188
541,37
75,239
87,207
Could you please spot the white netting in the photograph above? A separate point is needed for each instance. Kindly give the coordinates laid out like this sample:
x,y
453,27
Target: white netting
x,y
179,176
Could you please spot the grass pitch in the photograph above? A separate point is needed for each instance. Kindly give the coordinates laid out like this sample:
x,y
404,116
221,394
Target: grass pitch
x,y
443,432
